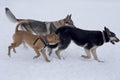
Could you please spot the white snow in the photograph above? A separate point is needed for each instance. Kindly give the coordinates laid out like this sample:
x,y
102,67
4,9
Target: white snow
x,y
86,14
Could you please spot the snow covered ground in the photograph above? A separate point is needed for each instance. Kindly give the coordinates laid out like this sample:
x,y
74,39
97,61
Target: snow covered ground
x,y
86,14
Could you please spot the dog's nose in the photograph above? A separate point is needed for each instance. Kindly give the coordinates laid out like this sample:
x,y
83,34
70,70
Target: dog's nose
x,y
117,40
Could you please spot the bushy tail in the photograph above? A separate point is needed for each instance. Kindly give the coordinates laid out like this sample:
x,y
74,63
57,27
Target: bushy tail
x,y
20,23
10,15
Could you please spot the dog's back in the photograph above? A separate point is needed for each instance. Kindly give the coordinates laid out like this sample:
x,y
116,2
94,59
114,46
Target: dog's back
x,y
40,27
79,36
21,36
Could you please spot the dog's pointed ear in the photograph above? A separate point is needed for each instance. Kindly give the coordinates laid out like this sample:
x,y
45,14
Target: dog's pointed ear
x,y
107,30
67,18
70,16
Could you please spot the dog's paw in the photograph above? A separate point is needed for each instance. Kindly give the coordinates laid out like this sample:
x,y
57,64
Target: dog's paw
x,y
35,57
48,60
86,57
9,55
83,56
100,61
14,50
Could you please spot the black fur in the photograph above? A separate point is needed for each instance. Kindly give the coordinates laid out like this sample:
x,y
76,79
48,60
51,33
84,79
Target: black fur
x,y
79,36
90,40
85,38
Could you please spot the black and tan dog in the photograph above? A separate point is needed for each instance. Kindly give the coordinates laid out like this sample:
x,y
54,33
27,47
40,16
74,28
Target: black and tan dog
x,y
89,40
39,45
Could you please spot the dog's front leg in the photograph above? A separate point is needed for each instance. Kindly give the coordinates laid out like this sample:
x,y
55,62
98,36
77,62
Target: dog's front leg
x,y
44,55
95,55
88,55
37,52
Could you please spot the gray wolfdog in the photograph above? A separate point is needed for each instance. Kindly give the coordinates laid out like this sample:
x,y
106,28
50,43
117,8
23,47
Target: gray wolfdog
x,y
39,27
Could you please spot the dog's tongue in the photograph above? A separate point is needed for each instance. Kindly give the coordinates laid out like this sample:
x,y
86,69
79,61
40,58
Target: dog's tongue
x,y
112,42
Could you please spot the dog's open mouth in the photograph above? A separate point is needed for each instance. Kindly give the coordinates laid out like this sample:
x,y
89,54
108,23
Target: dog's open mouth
x,y
113,42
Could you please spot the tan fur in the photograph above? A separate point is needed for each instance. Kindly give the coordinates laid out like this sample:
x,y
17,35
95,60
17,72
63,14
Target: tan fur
x,y
59,23
21,22
29,38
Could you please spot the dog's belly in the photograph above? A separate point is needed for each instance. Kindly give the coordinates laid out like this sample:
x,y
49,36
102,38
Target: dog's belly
x,y
80,42
87,44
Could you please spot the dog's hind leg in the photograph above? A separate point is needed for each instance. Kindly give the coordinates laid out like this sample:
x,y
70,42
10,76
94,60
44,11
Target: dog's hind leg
x,y
9,50
12,46
58,53
95,55
50,47
63,45
88,55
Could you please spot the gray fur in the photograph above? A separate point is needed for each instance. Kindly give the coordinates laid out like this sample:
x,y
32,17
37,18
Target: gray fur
x,y
39,27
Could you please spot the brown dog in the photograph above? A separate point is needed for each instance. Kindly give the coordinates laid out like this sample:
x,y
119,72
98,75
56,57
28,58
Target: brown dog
x,y
23,36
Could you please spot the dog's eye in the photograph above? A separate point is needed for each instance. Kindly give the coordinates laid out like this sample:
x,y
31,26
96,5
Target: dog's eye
x,y
112,34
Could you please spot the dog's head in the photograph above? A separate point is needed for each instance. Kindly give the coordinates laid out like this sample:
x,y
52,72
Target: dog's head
x,y
112,36
53,38
68,21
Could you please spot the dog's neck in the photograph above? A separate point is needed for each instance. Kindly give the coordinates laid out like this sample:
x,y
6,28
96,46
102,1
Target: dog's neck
x,y
44,40
105,36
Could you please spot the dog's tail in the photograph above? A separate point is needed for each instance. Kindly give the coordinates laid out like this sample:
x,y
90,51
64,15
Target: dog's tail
x,y
11,16
20,23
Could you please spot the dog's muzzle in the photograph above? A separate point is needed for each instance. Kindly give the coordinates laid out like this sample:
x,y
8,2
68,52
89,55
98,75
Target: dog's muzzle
x,y
116,40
